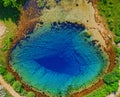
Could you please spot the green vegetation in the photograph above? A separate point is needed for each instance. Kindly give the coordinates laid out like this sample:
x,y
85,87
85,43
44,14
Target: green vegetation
x,y
112,77
41,3
111,84
23,92
117,39
7,94
4,92
9,15
110,10
117,50
17,86
30,94
13,3
9,34
10,9
3,70
9,78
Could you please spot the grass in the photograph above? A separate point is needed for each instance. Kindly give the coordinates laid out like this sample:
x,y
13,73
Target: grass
x,y
110,10
11,28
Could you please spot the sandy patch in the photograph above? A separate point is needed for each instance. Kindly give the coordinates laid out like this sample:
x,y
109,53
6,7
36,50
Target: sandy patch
x,y
111,95
2,29
118,45
84,13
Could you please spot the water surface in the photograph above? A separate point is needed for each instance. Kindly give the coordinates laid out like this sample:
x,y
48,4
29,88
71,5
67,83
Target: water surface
x,y
57,58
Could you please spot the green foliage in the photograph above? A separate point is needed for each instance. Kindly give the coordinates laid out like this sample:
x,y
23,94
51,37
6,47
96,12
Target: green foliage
x,y
101,92
117,51
117,39
30,94
13,3
7,94
9,35
111,84
9,13
41,3
9,78
3,70
112,77
112,87
23,92
17,86
104,90
110,10
10,9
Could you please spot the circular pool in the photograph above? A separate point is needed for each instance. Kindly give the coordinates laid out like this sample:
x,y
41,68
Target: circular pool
x,y
57,58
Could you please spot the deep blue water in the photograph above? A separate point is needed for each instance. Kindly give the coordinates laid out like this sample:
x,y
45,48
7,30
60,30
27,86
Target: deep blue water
x,y
57,57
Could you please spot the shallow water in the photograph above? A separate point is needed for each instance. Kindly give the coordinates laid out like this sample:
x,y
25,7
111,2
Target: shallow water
x,y
56,59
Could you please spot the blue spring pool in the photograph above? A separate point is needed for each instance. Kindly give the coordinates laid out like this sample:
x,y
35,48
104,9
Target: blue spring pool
x,y
57,58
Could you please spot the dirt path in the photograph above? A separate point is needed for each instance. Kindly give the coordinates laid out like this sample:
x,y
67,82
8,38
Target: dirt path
x,y
8,87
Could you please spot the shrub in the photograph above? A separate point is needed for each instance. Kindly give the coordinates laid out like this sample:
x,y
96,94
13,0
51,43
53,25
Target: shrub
x,y
3,70
30,94
23,92
117,50
17,86
112,77
9,78
112,87
117,39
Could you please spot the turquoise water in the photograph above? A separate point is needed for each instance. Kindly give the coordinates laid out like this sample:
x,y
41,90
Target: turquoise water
x,y
56,58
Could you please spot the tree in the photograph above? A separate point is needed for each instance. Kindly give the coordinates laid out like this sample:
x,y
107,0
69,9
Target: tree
x,y
117,39
9,78
117,50
17,86
13,3
30,94
2,70
9,3
23,91
112,77
112,87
